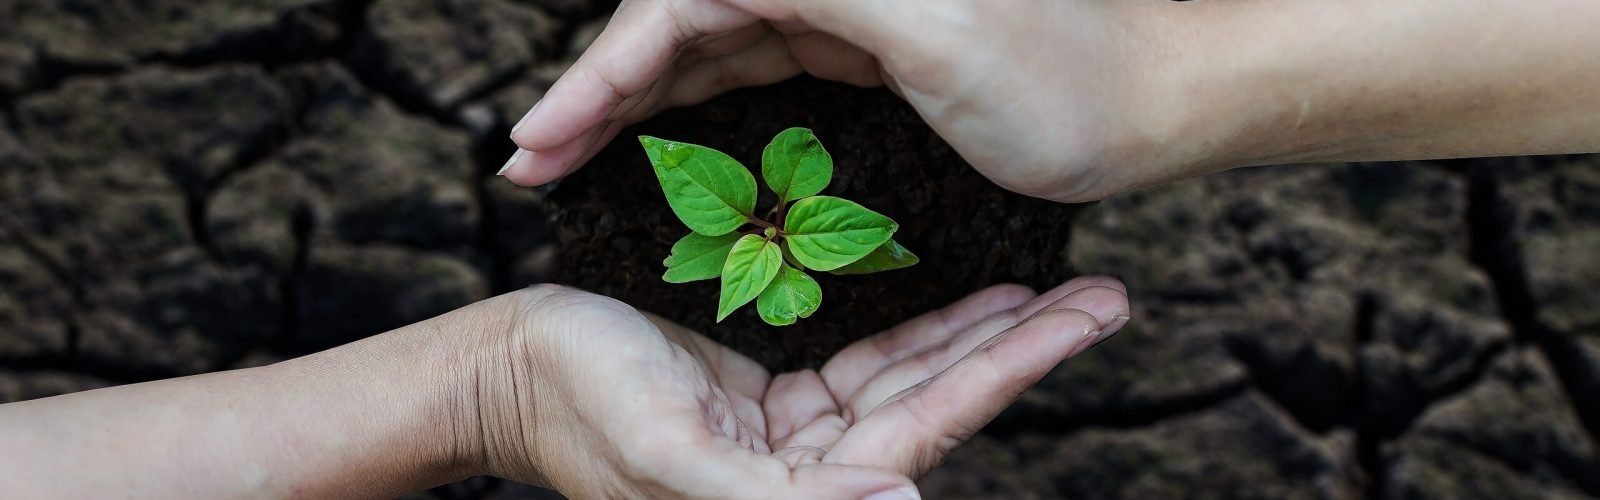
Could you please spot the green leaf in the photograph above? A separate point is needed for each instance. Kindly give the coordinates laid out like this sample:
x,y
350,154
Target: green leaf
x,y
698,257
887,257
751,266
792,295
795,165
711,192
788,256
827,233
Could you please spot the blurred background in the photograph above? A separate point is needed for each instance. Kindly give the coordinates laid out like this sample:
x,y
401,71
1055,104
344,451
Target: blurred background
x,y
196,186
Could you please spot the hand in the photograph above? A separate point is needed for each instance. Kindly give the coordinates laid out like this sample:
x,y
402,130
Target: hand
x,y
1074,100
1035,95
592,398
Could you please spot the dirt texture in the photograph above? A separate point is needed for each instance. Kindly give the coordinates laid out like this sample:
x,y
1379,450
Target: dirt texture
x,y
195,187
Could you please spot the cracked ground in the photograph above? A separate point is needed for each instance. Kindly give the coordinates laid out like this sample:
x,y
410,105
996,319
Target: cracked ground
x,y
189,187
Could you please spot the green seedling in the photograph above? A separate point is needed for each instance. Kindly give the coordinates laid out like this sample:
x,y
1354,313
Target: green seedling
x,y
715,196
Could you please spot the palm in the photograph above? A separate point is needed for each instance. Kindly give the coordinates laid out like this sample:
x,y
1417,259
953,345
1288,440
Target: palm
x,y
902,399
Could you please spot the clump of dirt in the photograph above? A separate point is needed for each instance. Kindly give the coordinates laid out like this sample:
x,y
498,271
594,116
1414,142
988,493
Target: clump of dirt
x,y
615,227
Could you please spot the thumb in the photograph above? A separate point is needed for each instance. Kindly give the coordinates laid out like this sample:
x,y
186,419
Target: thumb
x,y
847,482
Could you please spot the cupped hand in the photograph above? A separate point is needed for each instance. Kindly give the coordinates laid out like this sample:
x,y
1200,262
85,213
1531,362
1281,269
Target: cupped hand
x,y
905,398
597,400
1056,100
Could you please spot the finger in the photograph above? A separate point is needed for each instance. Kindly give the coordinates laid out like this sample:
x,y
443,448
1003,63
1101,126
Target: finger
x,y
1068,288
874,25
722,44
846,482
720,469
830,58
765,62
600,143
533,168
1103,303
862,360
795,27
637,46
811,442
917,429
802,417
794,400
537,168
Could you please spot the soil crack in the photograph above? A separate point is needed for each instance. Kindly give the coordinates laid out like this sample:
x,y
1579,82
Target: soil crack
x,y
9,232
1497,252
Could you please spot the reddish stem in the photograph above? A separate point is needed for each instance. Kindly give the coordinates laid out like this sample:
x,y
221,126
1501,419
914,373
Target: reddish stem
x,y
783,209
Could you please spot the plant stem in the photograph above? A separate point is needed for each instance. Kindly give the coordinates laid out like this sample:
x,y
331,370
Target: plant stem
x,y
759,222
783,209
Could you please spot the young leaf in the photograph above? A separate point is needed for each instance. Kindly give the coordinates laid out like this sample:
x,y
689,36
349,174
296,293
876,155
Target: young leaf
x,y
826,233
751,265
887,257
711,192
698,257
795,165
792,295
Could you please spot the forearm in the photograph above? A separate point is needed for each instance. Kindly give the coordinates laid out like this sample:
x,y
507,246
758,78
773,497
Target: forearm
x,y
1276,82
370,419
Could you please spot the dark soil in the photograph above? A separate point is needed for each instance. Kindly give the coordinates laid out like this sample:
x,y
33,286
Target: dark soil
x,y
615,228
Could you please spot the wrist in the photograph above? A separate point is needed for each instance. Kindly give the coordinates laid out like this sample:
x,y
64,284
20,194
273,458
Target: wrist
x,y
534,394
509,377
1174,113
1235,87
400,406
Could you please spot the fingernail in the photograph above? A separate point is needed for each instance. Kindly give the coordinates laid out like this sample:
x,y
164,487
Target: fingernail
x,y
1085,342
526,116
906,493
512,162
1111,329
1116,324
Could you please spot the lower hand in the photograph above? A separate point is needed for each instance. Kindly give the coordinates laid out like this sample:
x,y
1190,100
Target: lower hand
x,y
588,396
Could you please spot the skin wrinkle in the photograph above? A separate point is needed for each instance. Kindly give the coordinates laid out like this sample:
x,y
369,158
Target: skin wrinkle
x,y
553,298
518,402
629,106
484,447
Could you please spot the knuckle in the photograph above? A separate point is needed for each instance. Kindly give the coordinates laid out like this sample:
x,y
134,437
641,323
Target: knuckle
x,y
537,297
1099,281
548,301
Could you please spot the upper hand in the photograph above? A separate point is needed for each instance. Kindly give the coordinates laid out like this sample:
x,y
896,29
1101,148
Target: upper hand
x,y
1049,99
590,397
